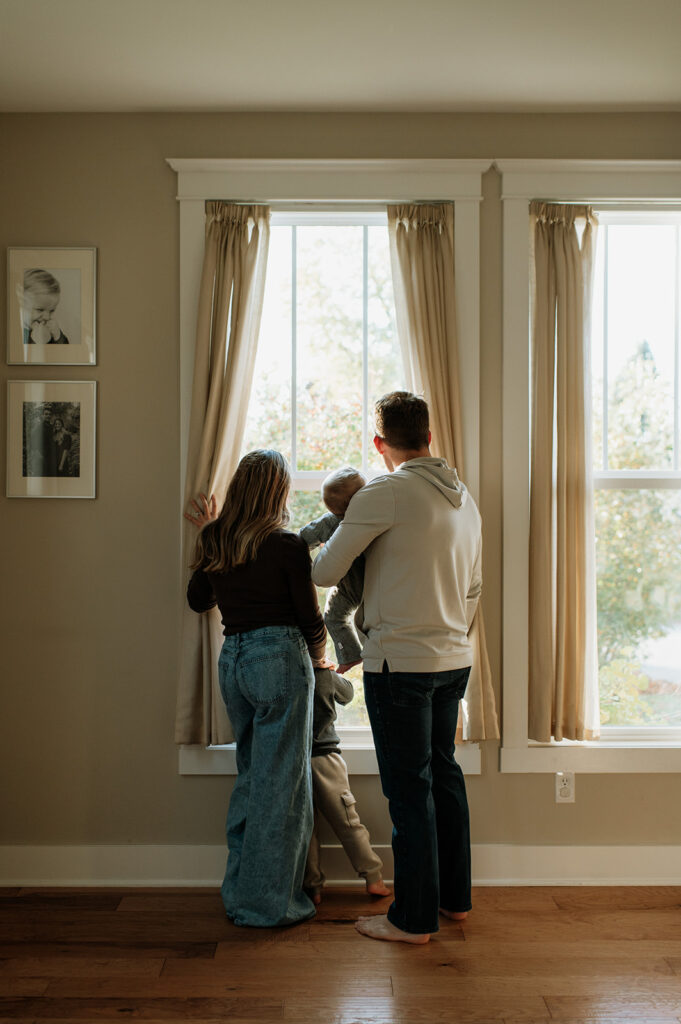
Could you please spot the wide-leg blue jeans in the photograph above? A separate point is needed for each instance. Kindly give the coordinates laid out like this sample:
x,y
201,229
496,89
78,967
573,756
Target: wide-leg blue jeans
x,y
413,718
267,683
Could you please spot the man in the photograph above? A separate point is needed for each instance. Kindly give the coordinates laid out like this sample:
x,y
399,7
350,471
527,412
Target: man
x,y
421,532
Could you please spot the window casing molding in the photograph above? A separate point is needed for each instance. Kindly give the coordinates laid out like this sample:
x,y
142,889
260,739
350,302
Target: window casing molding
x,y
644,185
305,187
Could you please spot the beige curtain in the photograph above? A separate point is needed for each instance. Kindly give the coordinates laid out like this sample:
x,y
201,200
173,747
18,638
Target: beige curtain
x,y
563,674
230,307
422,257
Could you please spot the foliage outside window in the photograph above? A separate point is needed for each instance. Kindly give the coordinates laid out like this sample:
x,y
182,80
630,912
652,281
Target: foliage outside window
x,y
327,350
636,406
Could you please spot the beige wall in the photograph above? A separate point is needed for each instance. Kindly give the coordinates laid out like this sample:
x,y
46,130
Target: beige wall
x,y
91,590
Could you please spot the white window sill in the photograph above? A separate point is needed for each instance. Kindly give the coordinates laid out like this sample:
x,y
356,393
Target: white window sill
x,y
360,759
614,755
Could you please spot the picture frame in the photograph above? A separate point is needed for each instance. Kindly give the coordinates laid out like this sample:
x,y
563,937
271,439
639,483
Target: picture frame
x,y
51,438
51,305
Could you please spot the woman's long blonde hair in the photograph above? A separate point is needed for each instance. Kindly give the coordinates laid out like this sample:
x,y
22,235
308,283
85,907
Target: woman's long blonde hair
x,y
255,506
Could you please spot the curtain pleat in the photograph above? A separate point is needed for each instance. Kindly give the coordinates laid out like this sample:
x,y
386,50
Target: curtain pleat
x,y
228,322
422,258
563,677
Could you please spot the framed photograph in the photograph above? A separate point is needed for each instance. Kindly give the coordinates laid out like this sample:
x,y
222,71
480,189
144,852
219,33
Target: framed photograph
x,y
51,306
51,438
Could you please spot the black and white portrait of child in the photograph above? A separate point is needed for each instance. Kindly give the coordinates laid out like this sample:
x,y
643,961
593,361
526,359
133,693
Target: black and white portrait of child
x,y
50,307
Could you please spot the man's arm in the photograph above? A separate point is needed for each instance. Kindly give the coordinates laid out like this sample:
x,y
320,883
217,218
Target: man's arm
x,y
475,588
370,513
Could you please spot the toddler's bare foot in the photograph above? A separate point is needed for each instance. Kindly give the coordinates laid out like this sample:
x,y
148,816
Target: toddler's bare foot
x,y
380,927
454,915
315,895
378,888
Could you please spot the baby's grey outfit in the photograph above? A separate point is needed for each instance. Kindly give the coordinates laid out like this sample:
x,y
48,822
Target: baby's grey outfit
x,y
344,600
331,787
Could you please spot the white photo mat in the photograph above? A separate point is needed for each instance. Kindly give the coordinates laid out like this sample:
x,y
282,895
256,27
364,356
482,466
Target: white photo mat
x,y
51,428
51,306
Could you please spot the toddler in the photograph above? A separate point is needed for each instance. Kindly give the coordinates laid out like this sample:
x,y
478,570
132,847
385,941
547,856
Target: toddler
x,y
39,299
330,784
331,792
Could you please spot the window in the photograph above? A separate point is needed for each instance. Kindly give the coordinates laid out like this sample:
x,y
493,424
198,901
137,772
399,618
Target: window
x,y
344,184
636,404
328,348
637,472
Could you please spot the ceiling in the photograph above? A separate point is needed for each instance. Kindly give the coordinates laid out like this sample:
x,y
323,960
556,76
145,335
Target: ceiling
x,y
354,55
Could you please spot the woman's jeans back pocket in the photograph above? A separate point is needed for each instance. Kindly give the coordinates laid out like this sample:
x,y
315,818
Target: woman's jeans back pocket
x,y
264,675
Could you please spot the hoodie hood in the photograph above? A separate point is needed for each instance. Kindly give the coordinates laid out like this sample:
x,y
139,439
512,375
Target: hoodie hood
x,y
438,473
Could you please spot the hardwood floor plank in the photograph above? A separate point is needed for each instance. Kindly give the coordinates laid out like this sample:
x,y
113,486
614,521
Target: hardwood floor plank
x,y
8,891
621,897
91,926
113,951
79,967
23,986
608,1007
60,901
141,1009
633,989
308,1009
244,986
208,904
514,965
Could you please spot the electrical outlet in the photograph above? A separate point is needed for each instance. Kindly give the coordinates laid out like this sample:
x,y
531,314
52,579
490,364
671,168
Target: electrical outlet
x,y
565,787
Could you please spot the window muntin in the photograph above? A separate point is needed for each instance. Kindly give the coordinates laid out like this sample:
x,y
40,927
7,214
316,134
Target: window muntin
x,y
636,402
327,337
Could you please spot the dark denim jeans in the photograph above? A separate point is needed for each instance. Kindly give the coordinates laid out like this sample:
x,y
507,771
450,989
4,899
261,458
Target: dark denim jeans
x,y
413,718
267,683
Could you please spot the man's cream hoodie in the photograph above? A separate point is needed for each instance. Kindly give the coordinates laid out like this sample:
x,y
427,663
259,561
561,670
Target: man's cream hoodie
x,y
420,531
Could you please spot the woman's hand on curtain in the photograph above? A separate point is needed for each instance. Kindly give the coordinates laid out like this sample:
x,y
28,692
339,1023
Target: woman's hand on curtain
x,y
203,513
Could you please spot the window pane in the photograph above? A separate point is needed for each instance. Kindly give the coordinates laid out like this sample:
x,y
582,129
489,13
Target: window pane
x,y
385,369
329,336
268,424
638,553
640,316
307,505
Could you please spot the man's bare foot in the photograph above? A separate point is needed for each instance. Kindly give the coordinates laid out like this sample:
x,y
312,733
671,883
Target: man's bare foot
x,y
379,927
378,888
454,915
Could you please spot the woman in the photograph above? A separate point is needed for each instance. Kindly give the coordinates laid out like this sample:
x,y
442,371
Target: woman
x,y
62,443
259,576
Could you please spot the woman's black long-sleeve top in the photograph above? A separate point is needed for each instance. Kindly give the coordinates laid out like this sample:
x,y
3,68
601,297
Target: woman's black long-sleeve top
x,y
274,589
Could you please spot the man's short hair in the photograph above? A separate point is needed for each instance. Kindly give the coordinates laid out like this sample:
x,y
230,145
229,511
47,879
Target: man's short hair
x,y
402,420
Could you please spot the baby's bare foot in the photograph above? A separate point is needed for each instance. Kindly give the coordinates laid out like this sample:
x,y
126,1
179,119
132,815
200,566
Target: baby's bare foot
x,y
378,888
379,927
454,915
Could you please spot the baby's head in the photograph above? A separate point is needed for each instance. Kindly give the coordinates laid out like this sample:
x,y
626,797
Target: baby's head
x,y
339,487
39,296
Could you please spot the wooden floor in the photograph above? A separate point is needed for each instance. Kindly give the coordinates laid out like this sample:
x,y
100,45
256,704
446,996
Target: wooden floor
x,y
527,955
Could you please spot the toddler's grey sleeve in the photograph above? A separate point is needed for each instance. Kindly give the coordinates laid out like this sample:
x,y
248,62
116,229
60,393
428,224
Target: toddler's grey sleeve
x,y
344,691
319,530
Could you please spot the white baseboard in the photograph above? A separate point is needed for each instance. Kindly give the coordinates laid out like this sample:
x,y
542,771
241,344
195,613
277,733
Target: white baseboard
x,y
184,865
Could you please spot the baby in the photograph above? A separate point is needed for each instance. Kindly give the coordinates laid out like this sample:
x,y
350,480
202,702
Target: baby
x,y
39,299
343,600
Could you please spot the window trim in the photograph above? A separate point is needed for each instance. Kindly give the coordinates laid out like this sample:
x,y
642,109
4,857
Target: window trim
x,y
648,185
334,185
